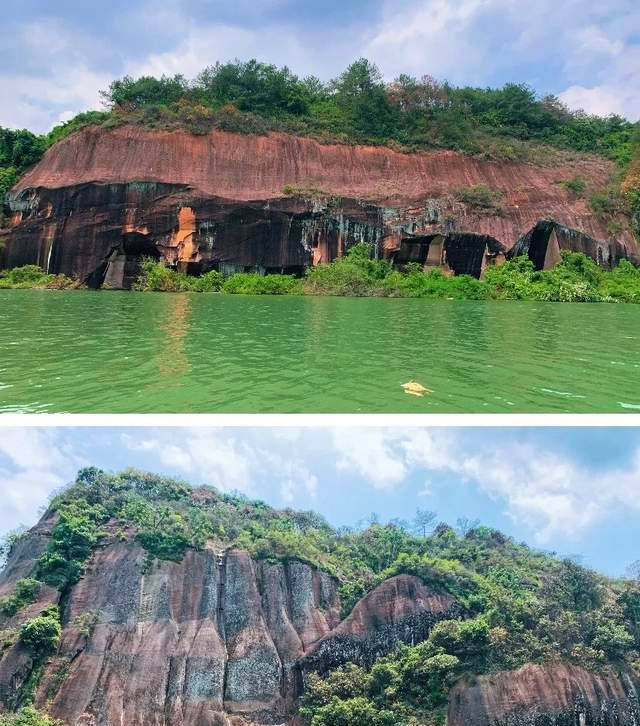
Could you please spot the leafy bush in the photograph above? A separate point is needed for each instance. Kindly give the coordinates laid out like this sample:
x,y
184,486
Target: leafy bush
x,y
41,635
356,274
165,535
27,716
73,539
158,277
576,186
32,276
247,283
26,592
481,198
622,283
607,202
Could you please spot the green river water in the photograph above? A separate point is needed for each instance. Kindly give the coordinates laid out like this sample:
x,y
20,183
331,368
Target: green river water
x,y
125,352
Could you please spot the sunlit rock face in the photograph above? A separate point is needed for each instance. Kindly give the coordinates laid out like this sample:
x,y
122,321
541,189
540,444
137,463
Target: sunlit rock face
x,y
101,199
551,695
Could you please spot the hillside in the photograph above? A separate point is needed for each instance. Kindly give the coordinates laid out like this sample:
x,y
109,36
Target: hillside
x,y
140,600
249,168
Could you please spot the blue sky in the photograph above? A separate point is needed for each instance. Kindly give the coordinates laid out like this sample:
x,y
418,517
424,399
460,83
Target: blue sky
x,y
55,57
574,491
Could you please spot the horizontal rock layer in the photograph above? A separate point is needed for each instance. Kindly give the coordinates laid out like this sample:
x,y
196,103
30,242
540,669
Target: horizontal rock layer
x,y
100,199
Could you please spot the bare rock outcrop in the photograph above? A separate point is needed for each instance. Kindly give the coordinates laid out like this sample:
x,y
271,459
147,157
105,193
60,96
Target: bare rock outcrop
x,y
101,199
215,639
553,695
400,610
220,639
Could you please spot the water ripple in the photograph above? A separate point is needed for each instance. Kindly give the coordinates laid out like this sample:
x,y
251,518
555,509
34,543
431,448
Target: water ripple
x,y
113,352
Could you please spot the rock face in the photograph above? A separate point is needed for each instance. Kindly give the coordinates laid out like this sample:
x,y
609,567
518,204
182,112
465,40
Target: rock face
x,y
554,695
100,199
216,639
400,610
544,243
220,639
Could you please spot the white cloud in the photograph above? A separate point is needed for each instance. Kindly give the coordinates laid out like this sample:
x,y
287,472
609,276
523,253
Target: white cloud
x,y
371,454
34,463
587,53
594,54
550,493
205,455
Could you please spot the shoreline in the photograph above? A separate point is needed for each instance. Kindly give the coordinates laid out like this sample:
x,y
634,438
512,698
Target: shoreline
x,y
577,278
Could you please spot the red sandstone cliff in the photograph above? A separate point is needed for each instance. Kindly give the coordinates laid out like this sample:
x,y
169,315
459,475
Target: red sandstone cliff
x,y
553,694
215,639
223,640
101,198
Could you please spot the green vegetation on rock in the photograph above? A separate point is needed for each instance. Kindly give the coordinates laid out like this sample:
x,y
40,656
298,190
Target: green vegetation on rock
x,y
576,279
33,276
156,275
507,123
359,107
27,716
516,605
26,591
41,635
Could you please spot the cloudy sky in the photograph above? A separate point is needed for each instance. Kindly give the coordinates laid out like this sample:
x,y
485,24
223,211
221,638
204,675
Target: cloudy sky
x,y
574,491
56,56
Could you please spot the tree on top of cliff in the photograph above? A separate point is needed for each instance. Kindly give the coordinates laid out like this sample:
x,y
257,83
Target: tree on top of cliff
x,y
359,106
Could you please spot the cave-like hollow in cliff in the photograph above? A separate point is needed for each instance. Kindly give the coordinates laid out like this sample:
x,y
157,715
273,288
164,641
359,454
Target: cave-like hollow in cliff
x,y
459,253
122,265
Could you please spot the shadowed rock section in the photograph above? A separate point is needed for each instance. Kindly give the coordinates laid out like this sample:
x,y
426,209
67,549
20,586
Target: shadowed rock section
x,y
100,200
545,242
400,610
553,695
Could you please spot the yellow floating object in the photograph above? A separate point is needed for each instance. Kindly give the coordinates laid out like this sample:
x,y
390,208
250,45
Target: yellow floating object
x,y
415,389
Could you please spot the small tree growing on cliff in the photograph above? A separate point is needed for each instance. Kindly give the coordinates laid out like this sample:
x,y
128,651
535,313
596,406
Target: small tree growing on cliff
x,y
41,635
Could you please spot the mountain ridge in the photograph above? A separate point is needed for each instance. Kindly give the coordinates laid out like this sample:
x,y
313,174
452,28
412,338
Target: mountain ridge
x,y
158,603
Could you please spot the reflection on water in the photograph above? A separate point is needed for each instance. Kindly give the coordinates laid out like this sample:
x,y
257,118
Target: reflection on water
x,y
142,352
171,360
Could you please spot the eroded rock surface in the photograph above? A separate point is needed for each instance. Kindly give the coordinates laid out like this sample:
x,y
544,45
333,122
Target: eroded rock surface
x,y
216,639
220,639
553,695
99,200
400,610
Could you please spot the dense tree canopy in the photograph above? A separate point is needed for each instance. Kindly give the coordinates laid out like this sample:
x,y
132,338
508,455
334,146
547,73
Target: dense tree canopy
x,y
359,106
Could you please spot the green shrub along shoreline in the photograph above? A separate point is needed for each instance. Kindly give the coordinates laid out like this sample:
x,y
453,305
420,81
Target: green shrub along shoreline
x,y
517,605
576,279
